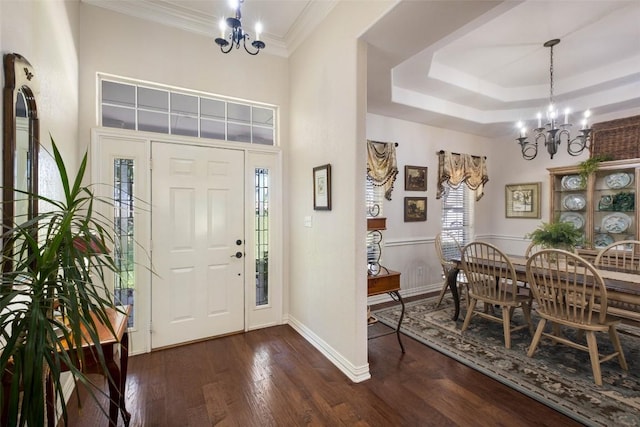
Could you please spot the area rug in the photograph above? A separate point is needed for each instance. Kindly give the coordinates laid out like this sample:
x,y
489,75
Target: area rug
x,y
556,375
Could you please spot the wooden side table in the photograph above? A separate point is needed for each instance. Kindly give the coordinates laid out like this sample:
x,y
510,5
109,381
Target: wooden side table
x,y
387,283
108,342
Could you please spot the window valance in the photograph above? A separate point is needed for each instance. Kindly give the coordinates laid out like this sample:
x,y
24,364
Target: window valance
x,y
382,168
455,169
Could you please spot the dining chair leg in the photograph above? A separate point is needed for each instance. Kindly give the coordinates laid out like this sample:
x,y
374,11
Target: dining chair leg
x,y
526,310
615,340
466,293
506,325
445,285
536,337
467,318
594,356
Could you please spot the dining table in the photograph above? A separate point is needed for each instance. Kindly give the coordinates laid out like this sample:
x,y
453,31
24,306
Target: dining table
x,y
621,286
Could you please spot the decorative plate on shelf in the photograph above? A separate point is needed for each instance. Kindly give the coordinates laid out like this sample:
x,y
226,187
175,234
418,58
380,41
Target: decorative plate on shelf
x,y
618,180
606,203
602,240
574,218
574,202
571,182
616,223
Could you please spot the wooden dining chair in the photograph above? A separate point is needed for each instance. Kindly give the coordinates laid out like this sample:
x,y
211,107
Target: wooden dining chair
x,y
623,256
447,247
565,287
532,249
491,278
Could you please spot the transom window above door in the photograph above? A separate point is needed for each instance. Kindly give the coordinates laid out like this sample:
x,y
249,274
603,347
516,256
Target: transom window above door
x,y
141,106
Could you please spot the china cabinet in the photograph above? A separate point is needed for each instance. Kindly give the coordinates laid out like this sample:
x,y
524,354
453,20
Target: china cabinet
x,y
603,207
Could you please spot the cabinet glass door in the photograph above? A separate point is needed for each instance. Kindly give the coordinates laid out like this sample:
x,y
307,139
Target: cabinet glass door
x,y
570,201
614,207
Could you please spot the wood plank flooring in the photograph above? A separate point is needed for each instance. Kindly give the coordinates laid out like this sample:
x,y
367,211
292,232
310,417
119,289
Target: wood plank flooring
x,y
273,377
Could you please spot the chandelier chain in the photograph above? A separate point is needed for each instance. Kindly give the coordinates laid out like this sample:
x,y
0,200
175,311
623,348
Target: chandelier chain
x,y
551,78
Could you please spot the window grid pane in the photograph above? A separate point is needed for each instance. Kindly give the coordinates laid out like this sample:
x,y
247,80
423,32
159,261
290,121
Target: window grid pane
x,y
129,106
457,213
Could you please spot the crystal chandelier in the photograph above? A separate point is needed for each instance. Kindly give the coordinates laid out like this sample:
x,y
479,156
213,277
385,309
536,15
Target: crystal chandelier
x,y
553,132
238,36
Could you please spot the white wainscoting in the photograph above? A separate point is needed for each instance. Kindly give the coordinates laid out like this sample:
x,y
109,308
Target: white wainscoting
x,y
421,272
416,260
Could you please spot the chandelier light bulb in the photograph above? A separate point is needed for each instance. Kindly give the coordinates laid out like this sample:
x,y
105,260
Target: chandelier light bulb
x,y
233,4
258,30
566,116
539,119
223,26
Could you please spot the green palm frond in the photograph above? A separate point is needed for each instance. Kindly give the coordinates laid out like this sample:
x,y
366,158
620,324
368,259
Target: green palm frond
x,y
53,272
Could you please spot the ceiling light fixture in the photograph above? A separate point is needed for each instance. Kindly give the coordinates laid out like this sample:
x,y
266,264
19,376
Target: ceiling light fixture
x,y
238,36
553,133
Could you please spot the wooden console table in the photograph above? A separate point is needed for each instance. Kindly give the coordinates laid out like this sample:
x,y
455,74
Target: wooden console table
x,y
387,283
108,342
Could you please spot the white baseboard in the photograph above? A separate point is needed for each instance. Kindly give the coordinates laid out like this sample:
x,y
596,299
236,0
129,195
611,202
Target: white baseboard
x,y
354,373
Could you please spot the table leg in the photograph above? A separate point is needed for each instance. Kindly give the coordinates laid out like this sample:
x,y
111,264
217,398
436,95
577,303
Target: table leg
x,y
399,298
124,366
114,392
50,402
452,280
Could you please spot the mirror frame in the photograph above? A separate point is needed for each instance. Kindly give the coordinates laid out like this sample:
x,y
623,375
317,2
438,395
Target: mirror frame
x,y
19,75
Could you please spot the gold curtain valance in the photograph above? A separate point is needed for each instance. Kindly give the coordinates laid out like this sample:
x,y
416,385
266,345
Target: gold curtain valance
x,y
382,168
455,169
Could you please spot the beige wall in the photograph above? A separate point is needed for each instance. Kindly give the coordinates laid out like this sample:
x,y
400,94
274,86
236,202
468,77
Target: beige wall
x,y
46,34
409,246
327,261
130,47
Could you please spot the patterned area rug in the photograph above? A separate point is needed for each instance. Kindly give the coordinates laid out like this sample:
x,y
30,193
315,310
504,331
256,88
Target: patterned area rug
x,y
556,375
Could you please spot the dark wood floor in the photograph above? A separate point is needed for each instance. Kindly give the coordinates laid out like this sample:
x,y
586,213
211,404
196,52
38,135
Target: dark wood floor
x,y
273,377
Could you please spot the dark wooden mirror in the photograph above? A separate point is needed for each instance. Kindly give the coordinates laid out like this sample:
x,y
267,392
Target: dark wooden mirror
x,y
20,147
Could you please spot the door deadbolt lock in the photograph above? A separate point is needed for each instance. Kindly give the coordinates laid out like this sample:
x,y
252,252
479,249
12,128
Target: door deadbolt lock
x,y
238,242
237,255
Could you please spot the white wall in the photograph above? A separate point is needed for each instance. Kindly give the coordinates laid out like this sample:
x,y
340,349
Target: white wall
x,y
327,261
46,34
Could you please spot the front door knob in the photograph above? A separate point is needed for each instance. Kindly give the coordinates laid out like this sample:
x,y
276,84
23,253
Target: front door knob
x,y
237,255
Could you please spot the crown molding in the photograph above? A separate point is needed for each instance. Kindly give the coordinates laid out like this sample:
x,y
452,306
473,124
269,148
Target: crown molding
x,y
308,20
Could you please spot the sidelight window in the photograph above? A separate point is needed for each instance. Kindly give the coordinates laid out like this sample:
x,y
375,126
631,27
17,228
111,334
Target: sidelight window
x,y
124,244
262,235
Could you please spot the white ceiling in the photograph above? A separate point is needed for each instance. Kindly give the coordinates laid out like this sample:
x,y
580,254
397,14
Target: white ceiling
x,y
474,66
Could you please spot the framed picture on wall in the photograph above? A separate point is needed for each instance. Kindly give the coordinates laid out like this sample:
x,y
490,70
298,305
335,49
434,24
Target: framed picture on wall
x,y
322,188
522,200
415,178
415,209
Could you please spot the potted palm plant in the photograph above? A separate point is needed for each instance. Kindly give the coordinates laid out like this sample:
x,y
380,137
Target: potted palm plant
x,y
55,282
558,235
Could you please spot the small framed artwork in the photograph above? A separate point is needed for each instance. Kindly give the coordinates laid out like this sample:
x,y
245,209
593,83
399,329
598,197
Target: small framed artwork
x,y
522,200
322,188
415,209
415,178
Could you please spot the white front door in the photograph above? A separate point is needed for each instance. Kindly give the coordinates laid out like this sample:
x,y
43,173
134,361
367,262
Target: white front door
x,y
197,242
